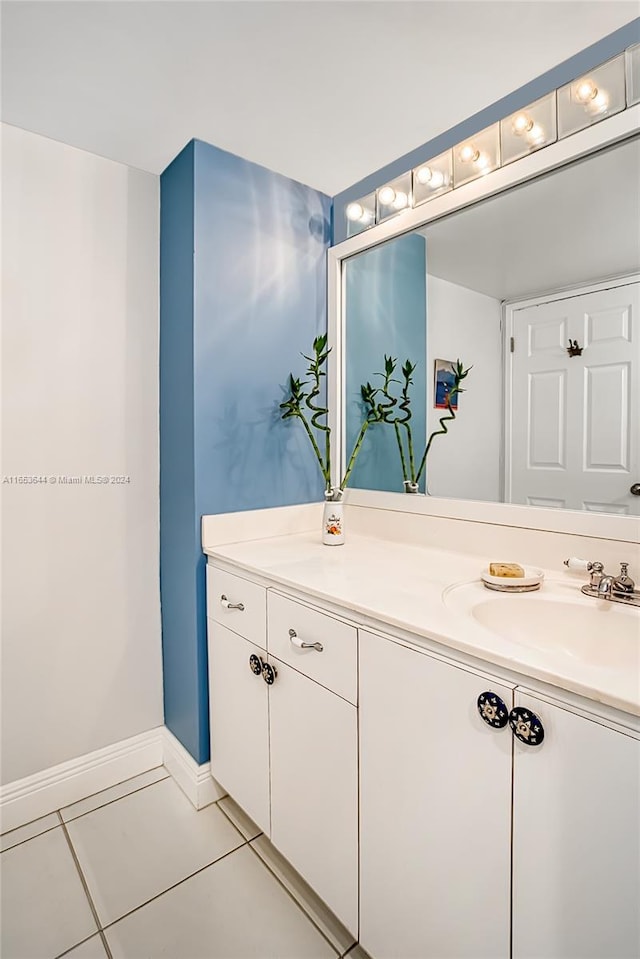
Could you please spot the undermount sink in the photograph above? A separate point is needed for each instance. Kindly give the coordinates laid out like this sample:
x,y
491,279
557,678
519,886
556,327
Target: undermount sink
x,y
556,619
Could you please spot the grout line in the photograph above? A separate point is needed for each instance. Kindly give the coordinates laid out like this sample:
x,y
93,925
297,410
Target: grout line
x,y
96,917
297,901
174,886
52,812
225,813
110,802
29,838
77,945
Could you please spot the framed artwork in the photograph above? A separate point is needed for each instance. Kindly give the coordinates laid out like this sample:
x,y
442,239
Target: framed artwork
x,y
444,380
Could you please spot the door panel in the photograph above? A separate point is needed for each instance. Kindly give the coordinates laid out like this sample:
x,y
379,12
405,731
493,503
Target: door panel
x,y
238,710
576,840
572,439
314,787
435,809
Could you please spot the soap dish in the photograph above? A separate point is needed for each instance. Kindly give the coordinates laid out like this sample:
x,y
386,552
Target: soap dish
x,y
531,580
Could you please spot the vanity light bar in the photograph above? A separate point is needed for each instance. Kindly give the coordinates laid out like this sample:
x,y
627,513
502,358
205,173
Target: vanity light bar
x,y
605,90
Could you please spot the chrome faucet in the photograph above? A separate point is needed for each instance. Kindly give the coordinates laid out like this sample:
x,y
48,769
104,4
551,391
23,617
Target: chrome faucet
x,y
601,585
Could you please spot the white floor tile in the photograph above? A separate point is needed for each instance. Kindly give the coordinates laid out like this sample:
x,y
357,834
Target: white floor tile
x,y
43,904
29,831
239,818
235,909
91,949
357,952
114,792
135,848
333,929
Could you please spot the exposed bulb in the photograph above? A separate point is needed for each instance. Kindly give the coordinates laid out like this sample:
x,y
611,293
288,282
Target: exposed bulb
x,y
437,180
386,195
355,212
482,161
535,135
599,104
586,90
401,200
522,123
424,174
468,153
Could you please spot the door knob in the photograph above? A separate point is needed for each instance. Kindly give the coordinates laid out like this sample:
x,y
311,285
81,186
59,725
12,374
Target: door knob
x,y
493,710
635,489
269,673
255,664
526,726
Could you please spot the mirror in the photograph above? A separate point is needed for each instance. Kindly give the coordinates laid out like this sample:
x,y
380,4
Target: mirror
x,y
537,291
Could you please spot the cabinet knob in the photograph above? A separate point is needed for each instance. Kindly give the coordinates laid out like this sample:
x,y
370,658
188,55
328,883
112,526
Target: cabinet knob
x,y
255,664
493,710
269,673
296,641
227,605
526,726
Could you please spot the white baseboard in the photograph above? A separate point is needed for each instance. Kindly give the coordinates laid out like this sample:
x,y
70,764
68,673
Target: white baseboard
x,y
39,794
34,796
195,781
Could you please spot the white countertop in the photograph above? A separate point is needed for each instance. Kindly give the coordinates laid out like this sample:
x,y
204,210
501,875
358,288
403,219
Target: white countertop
x,y
400,585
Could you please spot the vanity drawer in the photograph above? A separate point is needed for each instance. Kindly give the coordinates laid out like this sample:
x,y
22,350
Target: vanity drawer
x,y
336,666
250,620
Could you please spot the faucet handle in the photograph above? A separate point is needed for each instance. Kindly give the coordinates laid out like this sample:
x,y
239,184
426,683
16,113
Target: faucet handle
x,y
623,582
597,572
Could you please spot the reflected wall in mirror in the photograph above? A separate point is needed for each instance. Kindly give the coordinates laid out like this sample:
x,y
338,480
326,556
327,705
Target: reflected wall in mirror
x,y
515,287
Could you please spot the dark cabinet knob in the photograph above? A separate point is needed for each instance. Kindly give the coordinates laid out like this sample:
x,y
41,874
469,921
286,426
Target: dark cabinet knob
x,y
635,489
493,710
255,664
526,726
269,673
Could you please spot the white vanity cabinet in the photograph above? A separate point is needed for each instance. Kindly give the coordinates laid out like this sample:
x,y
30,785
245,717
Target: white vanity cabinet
x,y
436,836
284,730
576,838
435,800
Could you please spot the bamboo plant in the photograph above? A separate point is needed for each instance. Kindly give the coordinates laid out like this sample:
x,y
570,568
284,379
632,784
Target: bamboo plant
x,y
304,395
400,418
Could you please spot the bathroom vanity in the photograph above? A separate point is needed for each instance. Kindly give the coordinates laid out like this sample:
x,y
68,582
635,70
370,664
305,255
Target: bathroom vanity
x,y
345,720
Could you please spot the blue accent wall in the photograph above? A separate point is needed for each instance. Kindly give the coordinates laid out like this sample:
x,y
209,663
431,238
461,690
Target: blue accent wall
x,y
386,302
606,48
243,292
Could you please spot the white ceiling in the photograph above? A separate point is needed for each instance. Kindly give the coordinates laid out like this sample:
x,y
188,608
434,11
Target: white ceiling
x,y
575,226
325,92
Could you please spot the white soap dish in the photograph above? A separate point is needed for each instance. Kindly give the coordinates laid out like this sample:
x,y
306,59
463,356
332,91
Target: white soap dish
x,y
518,584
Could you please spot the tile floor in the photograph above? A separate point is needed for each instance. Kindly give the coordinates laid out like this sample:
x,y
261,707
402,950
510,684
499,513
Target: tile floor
x,y
135,872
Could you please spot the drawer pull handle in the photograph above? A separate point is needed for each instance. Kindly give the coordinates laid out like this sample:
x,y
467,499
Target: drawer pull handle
x,y
526,726
295,639
227,605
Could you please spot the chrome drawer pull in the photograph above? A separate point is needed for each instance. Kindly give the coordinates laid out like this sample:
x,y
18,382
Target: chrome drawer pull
x,y
295,639
227,605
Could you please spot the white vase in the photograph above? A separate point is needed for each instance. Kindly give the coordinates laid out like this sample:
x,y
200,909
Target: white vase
x,y
333,519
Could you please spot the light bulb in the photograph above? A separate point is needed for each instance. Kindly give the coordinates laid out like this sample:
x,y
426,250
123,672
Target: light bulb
x,y
424,174
522,123
482,161
468,153
386,195
437,180
586,90
401,200
535,134
355,211
599,104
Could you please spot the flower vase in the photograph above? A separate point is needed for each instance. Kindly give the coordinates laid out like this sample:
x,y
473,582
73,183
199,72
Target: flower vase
x,y
410,487
333,519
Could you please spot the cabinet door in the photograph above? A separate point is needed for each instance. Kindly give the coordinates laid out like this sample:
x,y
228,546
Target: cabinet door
x,y
435,809
576,840
314,788
238,709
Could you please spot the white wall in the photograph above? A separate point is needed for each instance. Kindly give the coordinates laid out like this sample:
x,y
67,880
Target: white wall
x,y
81,655
465,464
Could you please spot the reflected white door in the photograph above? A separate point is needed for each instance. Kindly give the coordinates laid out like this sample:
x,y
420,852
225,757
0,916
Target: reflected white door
x,y
572,435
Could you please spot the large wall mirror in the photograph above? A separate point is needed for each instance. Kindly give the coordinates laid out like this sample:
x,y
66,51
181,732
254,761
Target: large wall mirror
x,y
536,291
